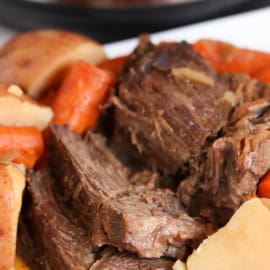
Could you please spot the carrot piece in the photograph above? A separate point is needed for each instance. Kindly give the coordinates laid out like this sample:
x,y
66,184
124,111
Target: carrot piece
x,y
81,95
263,75
263,189
215,51
21,145
114,65
228,58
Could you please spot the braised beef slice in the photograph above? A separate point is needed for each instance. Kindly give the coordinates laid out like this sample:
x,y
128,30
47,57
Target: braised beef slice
x,y
149,222
111,259
244,87
48,240
28,246
235,163
169,103
126,152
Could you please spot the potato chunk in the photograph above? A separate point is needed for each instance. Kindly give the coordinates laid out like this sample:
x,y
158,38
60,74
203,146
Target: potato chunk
x,y
38,60
179,265
18,110
243,244
12,183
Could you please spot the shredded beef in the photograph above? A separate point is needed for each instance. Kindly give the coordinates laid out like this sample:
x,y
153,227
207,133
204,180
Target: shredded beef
x,y
245,88
47,239
234,165
149,222
168,115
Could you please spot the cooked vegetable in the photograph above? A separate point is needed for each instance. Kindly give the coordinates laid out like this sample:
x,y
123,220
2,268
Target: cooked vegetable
x,y
242,244
114,65
263,75
12,182
81,96
228,58
21,145
179,265
264,187
16,109
38,60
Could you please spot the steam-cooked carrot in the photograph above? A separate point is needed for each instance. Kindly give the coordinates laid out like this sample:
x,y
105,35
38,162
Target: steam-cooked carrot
x,y
263,75
228,58
114,65
21,145
81,95
263,190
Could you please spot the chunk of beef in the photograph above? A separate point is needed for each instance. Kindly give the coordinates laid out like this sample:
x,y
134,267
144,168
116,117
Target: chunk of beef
x,y
244,87
126,152
169,103
48,240
148,222
235,163
111,259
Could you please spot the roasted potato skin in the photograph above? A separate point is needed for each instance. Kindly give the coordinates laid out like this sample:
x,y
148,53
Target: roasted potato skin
x,y
39,59
12,183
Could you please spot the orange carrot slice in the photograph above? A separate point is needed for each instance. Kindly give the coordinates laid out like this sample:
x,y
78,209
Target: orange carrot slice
x,y
21,145
81,96
227,58
114,65
263,190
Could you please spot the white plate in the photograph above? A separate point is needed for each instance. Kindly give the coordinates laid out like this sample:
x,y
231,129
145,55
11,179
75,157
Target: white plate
x,y
249,29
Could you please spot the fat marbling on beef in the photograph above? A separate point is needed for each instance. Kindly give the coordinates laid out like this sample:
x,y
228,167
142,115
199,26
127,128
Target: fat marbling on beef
x,y
149,222
233,167
47,239
169,103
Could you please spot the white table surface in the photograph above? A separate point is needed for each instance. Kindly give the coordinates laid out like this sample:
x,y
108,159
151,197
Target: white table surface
x,y
251,29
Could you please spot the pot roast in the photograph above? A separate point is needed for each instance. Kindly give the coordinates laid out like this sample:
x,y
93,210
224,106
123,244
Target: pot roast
x,y
233,167
169,104
48,239
149,222
104,206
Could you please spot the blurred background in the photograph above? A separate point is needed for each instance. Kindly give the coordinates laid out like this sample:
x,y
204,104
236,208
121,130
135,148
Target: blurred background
x,y
110,20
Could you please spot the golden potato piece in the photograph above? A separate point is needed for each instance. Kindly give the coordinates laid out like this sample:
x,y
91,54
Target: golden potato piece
x,y
179,265
18,110
12,183
243,244
38,60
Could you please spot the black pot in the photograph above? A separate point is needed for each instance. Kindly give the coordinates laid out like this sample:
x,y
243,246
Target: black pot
x,y
111,22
